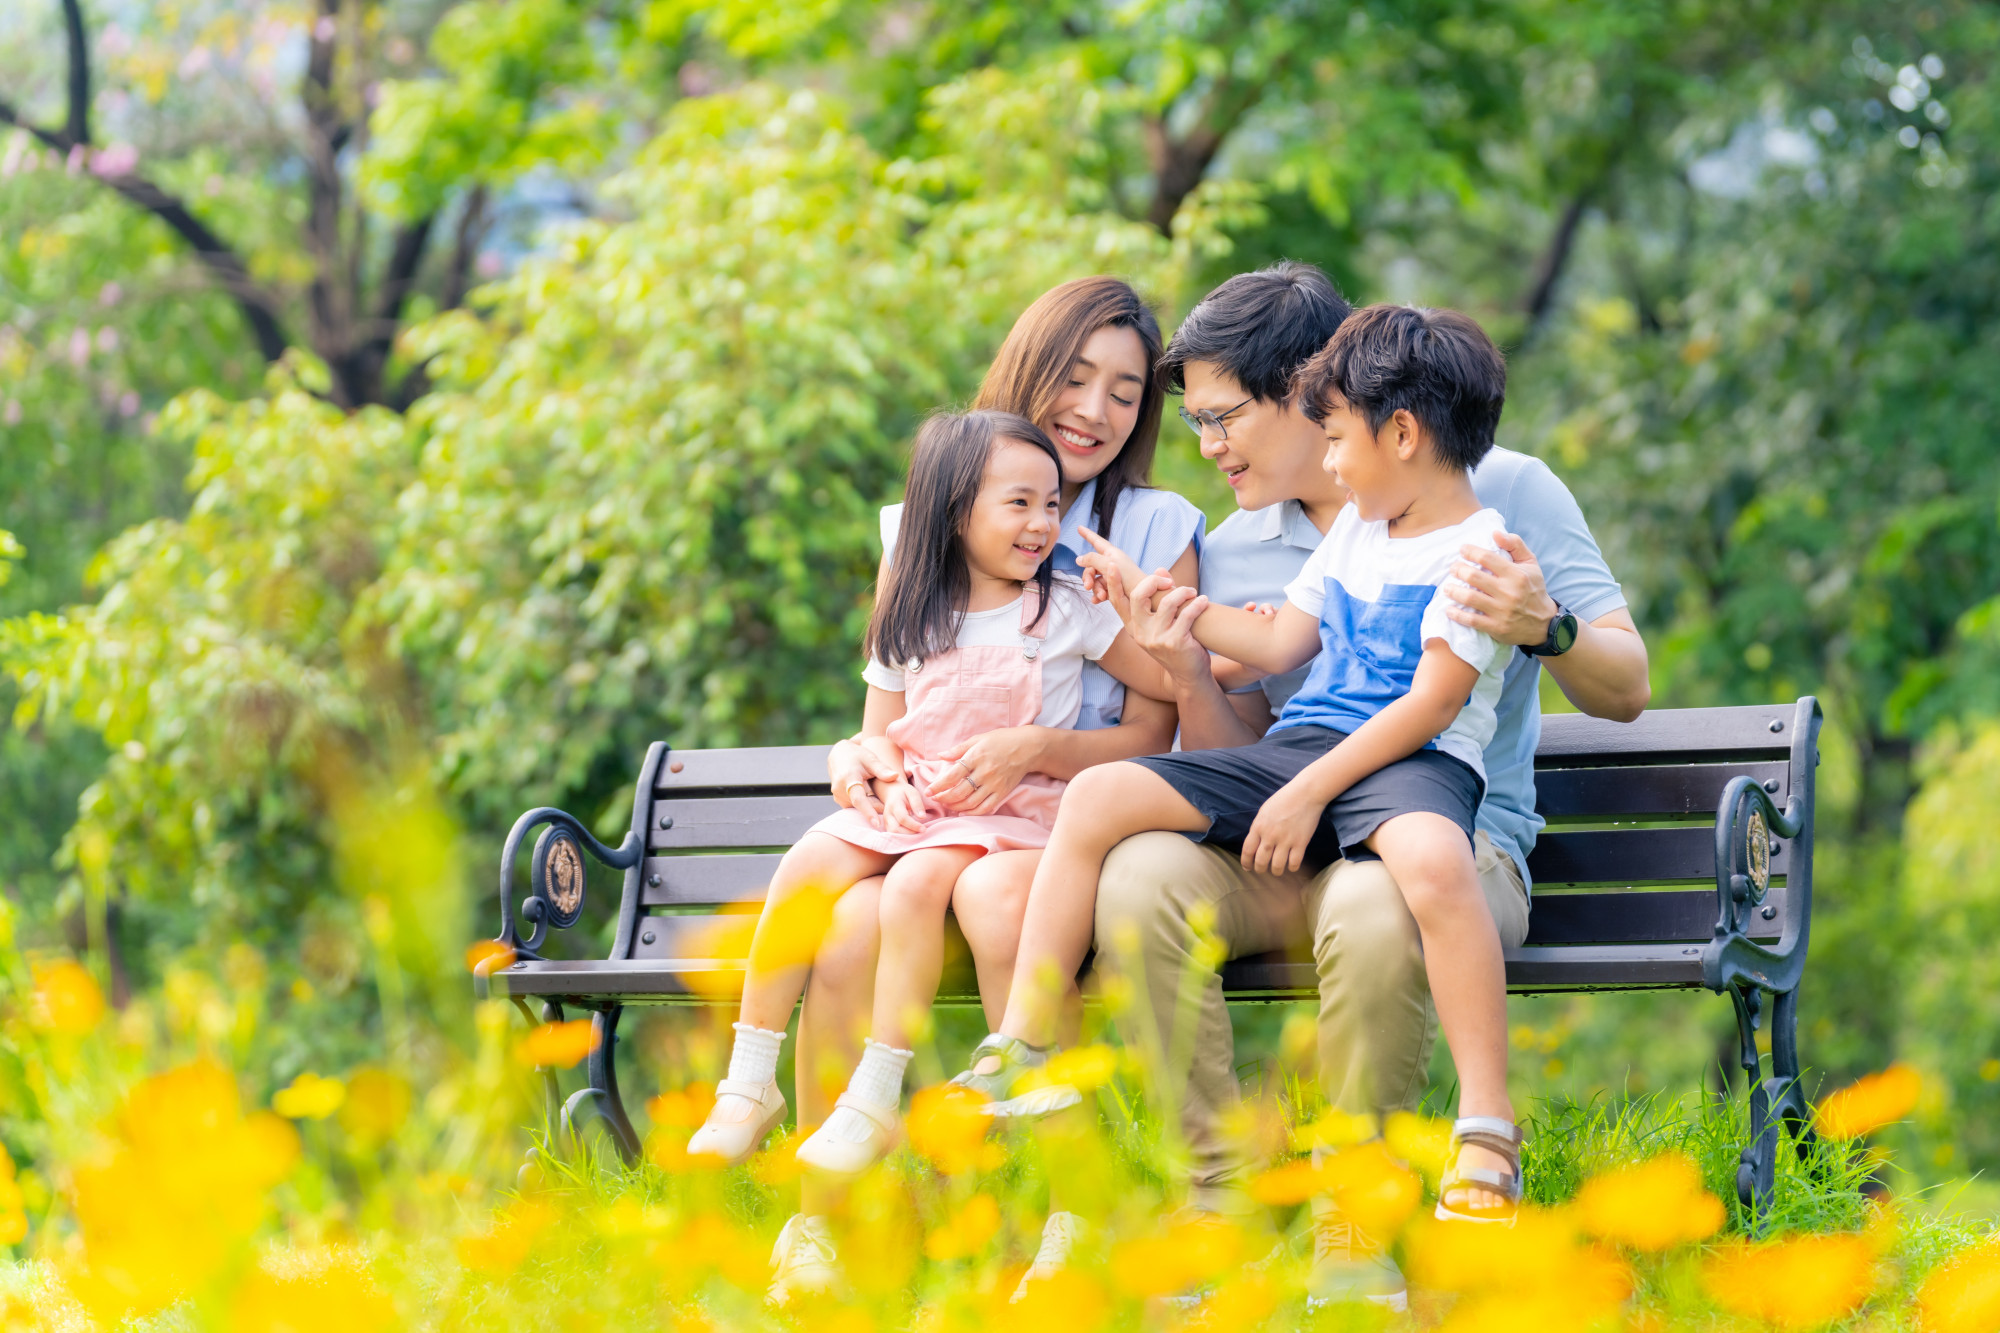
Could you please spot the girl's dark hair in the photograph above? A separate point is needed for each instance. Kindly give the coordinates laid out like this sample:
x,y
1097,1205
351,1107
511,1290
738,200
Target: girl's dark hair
x,y
919,610
1032,368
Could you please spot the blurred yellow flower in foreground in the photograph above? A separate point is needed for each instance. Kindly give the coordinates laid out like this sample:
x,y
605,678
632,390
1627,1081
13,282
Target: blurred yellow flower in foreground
x,y
1419,1140
378,1101
13,1208
948,1125
1071,1301
1869,1103
1185,1255
1797,1283
322,1292
309,1097
1963,1296
1086,1068
967,1232
505,1244
790,932
500,954
1654,1205
67,999
1374,1190
204,1172
559,1045
1291,1183
682,1109
1539,1263
1335,1129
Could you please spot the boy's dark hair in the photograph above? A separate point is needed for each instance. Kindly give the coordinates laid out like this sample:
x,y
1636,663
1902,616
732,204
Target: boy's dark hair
x,y
1438,365
918,611
1258,328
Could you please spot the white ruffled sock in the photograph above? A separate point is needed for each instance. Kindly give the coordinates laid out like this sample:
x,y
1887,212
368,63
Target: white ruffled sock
x,y
879,1082
754,1059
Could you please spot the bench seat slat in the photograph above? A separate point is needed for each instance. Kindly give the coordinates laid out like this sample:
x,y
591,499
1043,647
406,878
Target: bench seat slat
x,y
1646,856
1628,918
1648,791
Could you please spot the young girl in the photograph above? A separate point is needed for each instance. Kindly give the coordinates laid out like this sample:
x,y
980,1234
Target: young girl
x,y
981,635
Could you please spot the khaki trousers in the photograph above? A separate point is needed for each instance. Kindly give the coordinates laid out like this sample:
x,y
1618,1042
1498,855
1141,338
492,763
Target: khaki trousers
x,y
1170,911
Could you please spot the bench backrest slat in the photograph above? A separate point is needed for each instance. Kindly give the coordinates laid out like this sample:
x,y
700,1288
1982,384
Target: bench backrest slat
x,y
1655,791
1630,856
1669,735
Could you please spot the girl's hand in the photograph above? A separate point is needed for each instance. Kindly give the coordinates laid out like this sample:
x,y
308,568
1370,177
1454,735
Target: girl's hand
x,y
902,808
986,769
1283,827
854,769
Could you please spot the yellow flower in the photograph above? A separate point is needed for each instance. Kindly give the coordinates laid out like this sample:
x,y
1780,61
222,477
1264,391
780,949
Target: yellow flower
x,y
1335,1129
559,1045
967,1232
1538,1256
790,932
948,1125
1186,1254
1292,1183
1869,1103
378,1102
485,949
1798,1283
67,999
1086,1068
1372,1189
503,1246
310,1097
13,1208
684,1109
1071,1301
1655,1205
1241,1304
1963,1296
1419,1140
313,1293
712,1243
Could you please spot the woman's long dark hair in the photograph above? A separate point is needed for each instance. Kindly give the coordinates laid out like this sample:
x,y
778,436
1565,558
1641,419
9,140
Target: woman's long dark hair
x,y
1032,368
919,610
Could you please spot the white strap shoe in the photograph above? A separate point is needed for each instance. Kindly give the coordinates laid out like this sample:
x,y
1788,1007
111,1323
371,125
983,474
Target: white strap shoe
x,y
838,1157
743,1115
1060,1235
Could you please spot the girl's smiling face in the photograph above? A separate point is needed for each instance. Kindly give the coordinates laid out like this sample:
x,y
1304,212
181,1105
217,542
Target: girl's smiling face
x,y
1016,515
1094,414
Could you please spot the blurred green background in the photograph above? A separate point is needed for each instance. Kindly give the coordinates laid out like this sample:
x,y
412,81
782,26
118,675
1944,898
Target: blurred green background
x,y
409,410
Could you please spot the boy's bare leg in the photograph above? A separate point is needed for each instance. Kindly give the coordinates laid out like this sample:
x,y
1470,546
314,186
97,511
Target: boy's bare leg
x,y
1102,807
915,894
818,861
1431,860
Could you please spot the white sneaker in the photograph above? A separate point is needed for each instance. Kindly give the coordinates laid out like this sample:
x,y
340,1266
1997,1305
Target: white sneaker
x,y
803,1262
1348,1269
737,1124
1060,1235
843,1157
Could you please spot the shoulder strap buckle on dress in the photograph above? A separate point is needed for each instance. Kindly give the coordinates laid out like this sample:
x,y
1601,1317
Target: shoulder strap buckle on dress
x,y
1034,625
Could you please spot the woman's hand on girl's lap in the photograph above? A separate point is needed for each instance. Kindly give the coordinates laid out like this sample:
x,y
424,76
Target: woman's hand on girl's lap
x,y
853,769
986,769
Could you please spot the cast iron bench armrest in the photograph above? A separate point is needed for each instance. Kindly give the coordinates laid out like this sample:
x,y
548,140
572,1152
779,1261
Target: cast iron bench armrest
x,y
556,878
1746,822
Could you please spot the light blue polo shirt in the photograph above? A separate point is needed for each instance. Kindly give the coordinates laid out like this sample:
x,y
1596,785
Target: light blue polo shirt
x,y
1253,554
1152,526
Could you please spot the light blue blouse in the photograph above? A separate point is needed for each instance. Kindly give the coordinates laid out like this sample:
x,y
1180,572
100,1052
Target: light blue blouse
x,y
1152,526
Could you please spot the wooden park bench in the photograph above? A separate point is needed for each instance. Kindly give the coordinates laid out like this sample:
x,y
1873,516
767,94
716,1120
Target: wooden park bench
x,y
1638,813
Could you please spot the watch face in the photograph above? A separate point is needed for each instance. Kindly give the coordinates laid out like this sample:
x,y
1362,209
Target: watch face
x,y
1562,634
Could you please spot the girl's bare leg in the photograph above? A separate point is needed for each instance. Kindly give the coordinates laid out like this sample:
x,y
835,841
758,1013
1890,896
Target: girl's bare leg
x,y
990,901
819,862
1433,866
915,894
839,997
1101,808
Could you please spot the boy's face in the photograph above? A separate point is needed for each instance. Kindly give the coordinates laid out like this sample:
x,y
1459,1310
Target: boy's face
x,y
1376,466
1272,451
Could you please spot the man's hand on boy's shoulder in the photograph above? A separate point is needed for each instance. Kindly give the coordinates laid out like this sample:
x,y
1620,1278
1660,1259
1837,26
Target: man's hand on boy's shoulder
x,y
1501,593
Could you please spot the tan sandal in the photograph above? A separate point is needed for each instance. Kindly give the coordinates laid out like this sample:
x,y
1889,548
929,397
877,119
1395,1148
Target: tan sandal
x,y
1496,1136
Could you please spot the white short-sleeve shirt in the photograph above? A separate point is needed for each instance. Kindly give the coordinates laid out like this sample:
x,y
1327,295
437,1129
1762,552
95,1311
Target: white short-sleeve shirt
x,y
1379,600
1077,632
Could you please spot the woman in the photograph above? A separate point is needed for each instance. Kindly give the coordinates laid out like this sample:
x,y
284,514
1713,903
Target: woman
x,y
1079,363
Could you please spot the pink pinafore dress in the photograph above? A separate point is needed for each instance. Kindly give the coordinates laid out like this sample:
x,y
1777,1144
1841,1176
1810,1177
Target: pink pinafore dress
x,y
964,693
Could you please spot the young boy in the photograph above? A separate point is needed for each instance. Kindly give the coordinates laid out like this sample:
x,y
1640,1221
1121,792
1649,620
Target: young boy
x,y
1378,754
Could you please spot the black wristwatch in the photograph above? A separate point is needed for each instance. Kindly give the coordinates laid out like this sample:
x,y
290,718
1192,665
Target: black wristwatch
x,y
1562,635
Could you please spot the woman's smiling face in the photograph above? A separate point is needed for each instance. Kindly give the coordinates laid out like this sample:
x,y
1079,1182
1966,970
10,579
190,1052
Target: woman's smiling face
x,y
1095,413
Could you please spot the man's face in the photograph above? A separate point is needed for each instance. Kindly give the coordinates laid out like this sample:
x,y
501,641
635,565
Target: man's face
x,y
1272,452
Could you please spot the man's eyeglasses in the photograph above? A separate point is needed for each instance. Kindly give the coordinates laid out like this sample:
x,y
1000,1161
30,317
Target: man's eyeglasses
x,y
1209,420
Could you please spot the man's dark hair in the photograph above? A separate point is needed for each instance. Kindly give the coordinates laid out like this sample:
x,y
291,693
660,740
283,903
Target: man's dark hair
x,y
1438,365
1258,328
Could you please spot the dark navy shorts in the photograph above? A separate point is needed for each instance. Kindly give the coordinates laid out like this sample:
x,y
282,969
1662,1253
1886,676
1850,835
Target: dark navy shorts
x,y
1230,786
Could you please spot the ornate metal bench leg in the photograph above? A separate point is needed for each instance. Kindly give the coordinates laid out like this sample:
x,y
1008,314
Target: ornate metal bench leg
x,y
1756,1169
601,1097
1787,1089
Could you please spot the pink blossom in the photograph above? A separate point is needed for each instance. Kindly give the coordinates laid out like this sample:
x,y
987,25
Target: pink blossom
x,y
79,348
489,264
324,30
107,339
117,160
194,62
75,160
128,404
11,414
110,294
113,42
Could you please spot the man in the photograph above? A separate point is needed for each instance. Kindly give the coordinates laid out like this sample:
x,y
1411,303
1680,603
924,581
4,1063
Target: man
x,y
1233,359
